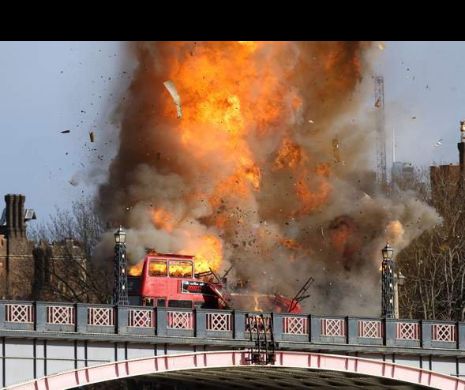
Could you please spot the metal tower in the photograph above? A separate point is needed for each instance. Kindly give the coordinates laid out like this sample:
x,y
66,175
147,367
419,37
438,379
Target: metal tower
x,y
381,173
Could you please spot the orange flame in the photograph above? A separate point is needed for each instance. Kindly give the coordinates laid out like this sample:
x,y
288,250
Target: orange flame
x,y
136,269
229,97
223,103
312,198
162,219
208,253
290,155
180,269
290,243
339,237
395,232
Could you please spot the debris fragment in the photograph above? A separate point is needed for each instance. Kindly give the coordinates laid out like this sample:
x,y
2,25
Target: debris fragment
x,y
91,136
336,154
310,121
65,131
381,46
414,117
169,85
378,103
438,143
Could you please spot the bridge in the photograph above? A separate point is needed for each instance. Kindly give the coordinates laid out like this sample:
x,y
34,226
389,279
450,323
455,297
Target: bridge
x,y
46,345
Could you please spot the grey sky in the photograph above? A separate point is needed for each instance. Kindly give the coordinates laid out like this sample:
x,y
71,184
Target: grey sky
x,y
425,80
45,86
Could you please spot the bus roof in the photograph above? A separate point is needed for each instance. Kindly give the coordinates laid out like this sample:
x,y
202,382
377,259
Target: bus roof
x,y
168,256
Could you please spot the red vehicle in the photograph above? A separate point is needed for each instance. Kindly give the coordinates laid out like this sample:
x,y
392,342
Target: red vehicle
x,y
169,280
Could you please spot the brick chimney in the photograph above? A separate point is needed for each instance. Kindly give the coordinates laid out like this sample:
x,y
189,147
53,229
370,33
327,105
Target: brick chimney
x,y
15,226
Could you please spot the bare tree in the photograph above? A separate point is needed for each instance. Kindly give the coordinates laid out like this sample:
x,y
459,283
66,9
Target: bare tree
x,y
433,264
66,268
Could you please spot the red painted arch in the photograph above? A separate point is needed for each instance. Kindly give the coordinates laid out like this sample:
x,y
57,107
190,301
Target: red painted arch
x,y
216,359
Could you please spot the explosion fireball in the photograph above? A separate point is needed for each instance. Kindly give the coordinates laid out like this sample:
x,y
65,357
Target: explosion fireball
x,y
247,175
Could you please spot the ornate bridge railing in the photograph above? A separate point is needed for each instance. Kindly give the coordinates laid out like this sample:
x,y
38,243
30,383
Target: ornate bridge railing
x,y
223,324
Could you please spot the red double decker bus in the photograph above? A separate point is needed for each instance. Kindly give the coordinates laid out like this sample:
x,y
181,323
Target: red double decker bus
x,y
169,280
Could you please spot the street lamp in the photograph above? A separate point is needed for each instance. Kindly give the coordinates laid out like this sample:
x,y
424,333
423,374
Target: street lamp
x,y
387,252
120,288
120,236
387,288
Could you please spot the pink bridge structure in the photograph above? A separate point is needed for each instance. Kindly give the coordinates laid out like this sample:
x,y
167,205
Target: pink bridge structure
x,y
225,359
47,345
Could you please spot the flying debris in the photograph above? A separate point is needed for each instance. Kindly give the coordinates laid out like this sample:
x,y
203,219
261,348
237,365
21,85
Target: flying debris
x,y
378,103
336,154
438,143
381,46
217,151
65,131
91,136
169,85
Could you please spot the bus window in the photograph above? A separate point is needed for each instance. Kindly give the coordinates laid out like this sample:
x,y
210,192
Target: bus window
x,y
161,302
180,269
157,268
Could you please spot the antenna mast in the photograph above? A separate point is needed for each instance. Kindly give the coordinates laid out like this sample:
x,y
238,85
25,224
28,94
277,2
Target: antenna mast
x,y
381,173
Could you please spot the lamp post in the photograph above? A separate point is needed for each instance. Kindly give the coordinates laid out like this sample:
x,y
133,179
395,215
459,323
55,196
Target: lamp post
x,y
387,293
120,288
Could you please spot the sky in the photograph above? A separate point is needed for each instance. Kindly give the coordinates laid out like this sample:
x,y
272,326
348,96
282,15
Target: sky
x,y
424,88
46,88
49,87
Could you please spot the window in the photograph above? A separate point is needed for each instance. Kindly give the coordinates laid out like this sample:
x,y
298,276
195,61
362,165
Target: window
x,y
180,269
157,268
148,302
180,303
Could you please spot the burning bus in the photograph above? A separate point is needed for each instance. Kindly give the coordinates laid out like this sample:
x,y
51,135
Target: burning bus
x,y
170,280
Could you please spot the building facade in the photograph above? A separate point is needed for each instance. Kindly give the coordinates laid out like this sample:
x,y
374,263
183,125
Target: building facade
x,y
30,270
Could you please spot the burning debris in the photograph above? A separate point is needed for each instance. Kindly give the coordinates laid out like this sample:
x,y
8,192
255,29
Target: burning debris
x,y
244,154
169,85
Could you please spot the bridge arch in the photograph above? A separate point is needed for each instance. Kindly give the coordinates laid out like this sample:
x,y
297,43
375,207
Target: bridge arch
x,y
223,359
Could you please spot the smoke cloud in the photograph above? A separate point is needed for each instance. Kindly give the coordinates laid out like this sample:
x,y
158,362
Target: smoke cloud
x,y
268,169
